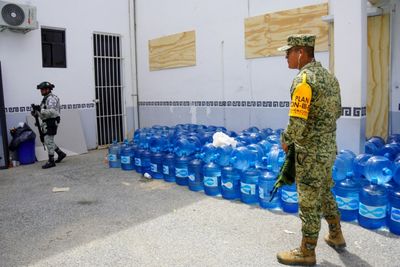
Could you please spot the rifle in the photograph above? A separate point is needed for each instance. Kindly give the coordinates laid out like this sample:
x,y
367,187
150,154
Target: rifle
x,y
37,123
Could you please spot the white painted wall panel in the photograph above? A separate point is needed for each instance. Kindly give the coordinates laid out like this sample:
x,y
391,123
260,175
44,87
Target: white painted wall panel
x,y
222,72
21,54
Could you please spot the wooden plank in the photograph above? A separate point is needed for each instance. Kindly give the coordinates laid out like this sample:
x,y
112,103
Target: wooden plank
x,y
173,51
265,33
378,76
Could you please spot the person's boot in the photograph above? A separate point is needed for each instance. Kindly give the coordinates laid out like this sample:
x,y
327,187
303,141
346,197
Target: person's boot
x,y
335,237
303,256
61,155
49,163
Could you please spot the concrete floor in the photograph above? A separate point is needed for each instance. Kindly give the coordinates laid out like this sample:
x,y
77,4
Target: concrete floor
x,y
111,218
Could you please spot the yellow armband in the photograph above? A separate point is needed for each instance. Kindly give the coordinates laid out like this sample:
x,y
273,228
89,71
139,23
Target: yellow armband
x,y
301,99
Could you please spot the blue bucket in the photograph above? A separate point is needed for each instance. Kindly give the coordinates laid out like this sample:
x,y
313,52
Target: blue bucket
x,y
26,152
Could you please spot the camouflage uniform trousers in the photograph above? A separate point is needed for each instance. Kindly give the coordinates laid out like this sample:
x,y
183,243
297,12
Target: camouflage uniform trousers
x,y
49,141
314,183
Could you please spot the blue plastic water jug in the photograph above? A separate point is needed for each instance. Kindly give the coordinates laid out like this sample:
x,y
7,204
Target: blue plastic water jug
x,y
208,153
378,170
396,172
359,164
267,131
156,165
266,146
347,197
127,157
114,155
373,205
138,160
168,167
230,183
181,170
212,179
244,138
274,139
390,151
249,186
145,161
289,198
223,155
187,146
276,157
265,185
240,158
258,157
373,145
393,138
195,177
343,165
158,143
394,211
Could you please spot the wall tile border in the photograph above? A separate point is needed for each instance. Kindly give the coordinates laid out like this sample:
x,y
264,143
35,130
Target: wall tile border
x,y
22,109
346,111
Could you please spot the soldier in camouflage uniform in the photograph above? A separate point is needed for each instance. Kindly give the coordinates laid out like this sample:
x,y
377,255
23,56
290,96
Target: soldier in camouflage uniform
x,y
314,109
49,113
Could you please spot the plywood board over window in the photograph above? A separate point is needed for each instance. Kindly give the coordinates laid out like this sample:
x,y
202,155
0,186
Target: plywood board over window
x,y
173,51
265,33
378,76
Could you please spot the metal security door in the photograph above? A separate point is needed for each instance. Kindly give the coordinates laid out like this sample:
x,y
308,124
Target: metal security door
x,y
108,86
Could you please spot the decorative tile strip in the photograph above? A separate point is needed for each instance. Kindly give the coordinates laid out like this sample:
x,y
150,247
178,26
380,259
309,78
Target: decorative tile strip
x,y
24,109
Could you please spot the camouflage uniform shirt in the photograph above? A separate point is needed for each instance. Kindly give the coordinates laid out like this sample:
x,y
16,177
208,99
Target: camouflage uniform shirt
x,y
317,134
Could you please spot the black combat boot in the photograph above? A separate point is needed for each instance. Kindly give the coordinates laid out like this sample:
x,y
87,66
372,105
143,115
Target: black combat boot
x,y
49,163
61,155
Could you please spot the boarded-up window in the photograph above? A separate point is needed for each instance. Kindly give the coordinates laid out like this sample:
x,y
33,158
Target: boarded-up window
x,y
173,51
265,33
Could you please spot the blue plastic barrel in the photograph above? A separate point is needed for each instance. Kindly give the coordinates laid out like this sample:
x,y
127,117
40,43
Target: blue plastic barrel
x,y
230,183
289,198
249,186
394,212
373,206
26,152
212,179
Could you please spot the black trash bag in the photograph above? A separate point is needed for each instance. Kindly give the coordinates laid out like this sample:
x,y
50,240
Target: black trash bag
x,y
20,135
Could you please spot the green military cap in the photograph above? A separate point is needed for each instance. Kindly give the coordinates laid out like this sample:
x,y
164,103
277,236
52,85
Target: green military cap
x,y
298,40
44,85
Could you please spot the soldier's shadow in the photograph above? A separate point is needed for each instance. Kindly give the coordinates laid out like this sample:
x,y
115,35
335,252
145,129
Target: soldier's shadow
x,y
348,259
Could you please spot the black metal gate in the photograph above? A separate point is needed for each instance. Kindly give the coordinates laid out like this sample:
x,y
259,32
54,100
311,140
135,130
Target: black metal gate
x,y
108,86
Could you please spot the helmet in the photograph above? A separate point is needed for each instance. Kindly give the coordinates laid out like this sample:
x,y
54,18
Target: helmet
x,y
44,85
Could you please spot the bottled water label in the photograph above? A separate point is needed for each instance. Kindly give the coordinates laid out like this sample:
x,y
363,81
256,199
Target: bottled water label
x,y
347,203
125,160
395,215
227,184
138,162
248,189
263,193
372,212
153,167
191,177
112,157
211,181
181,172
289,196
165,169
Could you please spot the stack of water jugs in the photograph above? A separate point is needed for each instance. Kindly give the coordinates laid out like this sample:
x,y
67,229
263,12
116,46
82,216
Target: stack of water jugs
x,y
185,154
367,186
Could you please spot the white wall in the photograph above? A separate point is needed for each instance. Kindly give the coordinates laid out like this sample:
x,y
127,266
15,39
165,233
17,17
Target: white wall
x,y
21,54
221,72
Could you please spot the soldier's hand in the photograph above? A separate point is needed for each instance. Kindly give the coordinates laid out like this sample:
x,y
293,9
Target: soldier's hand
x,y
36,108
285,147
